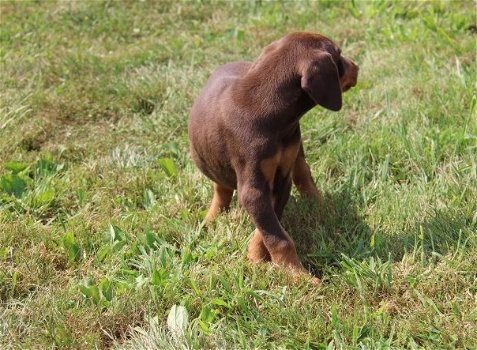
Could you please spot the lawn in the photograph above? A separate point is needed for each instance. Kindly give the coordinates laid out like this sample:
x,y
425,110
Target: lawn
x,y
101,237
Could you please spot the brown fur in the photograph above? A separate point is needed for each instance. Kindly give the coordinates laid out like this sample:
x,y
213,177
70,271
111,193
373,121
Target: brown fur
x,y
303,180
245,133
220,201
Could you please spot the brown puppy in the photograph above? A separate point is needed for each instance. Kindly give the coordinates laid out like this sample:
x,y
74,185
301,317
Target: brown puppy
x,y
245,133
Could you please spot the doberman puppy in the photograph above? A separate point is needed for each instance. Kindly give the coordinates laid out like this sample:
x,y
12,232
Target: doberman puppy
x,y
245,133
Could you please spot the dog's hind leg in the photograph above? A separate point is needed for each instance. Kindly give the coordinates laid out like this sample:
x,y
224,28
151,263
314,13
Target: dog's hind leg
x,y
220,201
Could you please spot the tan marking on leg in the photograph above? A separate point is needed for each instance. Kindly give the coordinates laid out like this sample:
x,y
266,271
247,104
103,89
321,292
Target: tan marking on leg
x,y
288,158
257,252
269,166
220,201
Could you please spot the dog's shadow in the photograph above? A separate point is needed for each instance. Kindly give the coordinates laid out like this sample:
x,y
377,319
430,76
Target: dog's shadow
x,y
325,234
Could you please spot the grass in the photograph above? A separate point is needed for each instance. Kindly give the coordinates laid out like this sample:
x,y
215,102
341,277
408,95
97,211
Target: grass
x,y
101,244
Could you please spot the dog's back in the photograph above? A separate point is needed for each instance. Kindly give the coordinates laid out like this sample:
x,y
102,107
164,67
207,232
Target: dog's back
x,y
206,123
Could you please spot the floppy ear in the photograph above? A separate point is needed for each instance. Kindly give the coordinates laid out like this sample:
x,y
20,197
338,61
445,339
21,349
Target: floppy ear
x,y
321,82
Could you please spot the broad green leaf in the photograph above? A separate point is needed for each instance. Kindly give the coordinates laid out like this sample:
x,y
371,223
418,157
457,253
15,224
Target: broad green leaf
x,y
16,167
103,252
207,314
118,245
158,277
90,291
149,199
106,287
151,239
116,234
72,248
13,184
44,197
220,302
167,164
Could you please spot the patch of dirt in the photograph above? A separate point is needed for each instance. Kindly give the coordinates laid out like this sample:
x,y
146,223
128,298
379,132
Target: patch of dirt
x,y
116,328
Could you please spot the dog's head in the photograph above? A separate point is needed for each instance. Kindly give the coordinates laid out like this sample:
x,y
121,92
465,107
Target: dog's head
x,y
325,74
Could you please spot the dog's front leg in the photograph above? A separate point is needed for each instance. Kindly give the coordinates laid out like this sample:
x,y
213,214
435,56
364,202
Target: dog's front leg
x,y
304,180
270,237
281,194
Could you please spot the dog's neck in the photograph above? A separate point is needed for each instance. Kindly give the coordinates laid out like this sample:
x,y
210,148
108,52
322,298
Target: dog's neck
x,y
280,96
